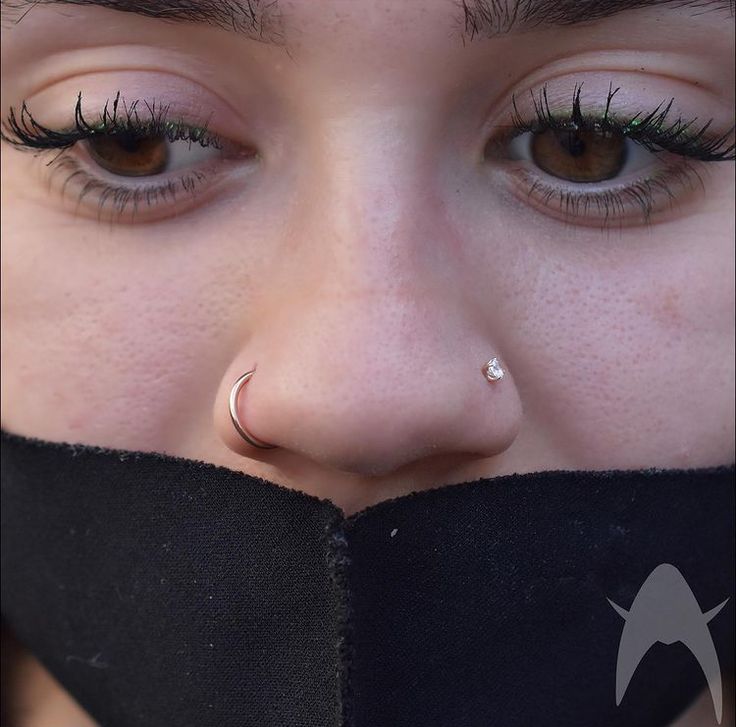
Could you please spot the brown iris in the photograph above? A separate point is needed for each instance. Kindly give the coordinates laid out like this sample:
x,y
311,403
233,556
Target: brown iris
x,y
579,155
128,156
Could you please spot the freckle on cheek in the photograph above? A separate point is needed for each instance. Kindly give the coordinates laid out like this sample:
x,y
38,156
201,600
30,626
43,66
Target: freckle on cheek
x,y
670,310
663,306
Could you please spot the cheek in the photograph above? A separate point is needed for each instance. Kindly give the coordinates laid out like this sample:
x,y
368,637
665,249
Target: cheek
x,y
106,345
639,360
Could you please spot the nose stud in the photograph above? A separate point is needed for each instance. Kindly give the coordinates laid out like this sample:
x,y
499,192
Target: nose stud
x,y
492,370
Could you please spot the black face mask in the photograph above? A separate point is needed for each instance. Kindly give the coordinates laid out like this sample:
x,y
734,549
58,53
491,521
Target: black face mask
x,y
162,592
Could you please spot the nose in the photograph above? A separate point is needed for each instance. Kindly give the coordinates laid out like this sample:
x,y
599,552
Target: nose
x,y
370,354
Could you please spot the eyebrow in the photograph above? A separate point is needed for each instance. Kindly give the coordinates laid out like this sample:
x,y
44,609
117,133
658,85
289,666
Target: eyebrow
x,y
489,18
256,19
261,20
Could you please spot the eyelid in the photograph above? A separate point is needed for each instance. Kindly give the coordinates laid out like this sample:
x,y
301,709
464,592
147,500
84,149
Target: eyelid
x,y
116,116
195,102
657,128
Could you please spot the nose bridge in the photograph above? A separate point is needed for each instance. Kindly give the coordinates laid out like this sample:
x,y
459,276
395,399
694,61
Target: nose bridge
x,y
374,280
369,199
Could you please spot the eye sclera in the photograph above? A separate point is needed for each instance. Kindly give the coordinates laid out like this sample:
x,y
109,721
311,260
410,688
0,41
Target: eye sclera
x,y
97,193
636,158
168,156
100,193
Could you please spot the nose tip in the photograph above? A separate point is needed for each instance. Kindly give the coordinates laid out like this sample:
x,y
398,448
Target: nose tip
x,y
370,419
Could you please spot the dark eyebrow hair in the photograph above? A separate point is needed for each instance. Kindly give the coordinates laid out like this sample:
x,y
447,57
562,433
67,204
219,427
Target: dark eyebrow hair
x,y
261,19
256,19
489,18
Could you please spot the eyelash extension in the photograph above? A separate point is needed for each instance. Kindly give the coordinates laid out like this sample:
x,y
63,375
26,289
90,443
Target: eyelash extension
x,y
654,131
23,131
612,204
120,198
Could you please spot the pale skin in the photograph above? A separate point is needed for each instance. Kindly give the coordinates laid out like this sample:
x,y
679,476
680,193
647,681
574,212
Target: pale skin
x,y
370,260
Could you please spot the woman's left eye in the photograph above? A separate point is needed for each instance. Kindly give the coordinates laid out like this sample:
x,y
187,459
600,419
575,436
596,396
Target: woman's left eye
x,y
129,155
594,175
605,165
581,156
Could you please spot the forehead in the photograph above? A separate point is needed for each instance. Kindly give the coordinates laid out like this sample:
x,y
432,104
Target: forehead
x,y
307,24
444,15
275,19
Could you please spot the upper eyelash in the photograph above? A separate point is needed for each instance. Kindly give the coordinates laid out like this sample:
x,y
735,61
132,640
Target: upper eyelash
x,y
654,130
23,131
651,130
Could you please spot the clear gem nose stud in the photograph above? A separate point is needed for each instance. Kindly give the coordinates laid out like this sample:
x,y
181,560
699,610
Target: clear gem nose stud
x,y
492,370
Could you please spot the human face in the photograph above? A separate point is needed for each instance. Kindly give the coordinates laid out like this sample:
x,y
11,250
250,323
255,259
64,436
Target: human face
x,y
357,223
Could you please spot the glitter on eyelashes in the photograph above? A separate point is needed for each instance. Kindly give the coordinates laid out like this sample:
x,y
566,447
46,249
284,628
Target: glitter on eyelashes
x,y
119,118
653,130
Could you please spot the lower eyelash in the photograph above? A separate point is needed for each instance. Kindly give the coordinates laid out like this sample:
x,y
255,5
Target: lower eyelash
x,y
646,195
119,199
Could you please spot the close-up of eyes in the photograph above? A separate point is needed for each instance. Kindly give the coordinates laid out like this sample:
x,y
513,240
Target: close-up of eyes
x,y
136,161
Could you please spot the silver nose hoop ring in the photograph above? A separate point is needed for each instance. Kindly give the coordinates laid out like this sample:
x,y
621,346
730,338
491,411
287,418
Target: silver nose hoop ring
x,y
250,438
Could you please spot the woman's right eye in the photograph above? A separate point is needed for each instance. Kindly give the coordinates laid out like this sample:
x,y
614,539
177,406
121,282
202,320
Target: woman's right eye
x,y
145,177
130,166
130,155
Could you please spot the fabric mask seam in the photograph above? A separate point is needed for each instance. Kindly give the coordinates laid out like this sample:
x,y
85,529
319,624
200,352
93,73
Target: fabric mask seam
x,y
339,561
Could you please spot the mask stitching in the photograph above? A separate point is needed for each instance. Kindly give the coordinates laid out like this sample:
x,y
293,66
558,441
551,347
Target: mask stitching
x,y
338,561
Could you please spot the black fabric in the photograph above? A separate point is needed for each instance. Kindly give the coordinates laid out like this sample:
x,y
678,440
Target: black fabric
x,y
168,592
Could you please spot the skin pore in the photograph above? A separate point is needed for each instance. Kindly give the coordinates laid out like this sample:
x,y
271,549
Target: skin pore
x,y
365,232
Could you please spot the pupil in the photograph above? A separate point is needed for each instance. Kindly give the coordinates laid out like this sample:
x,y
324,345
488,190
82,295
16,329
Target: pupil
x,y
573,143
128,143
